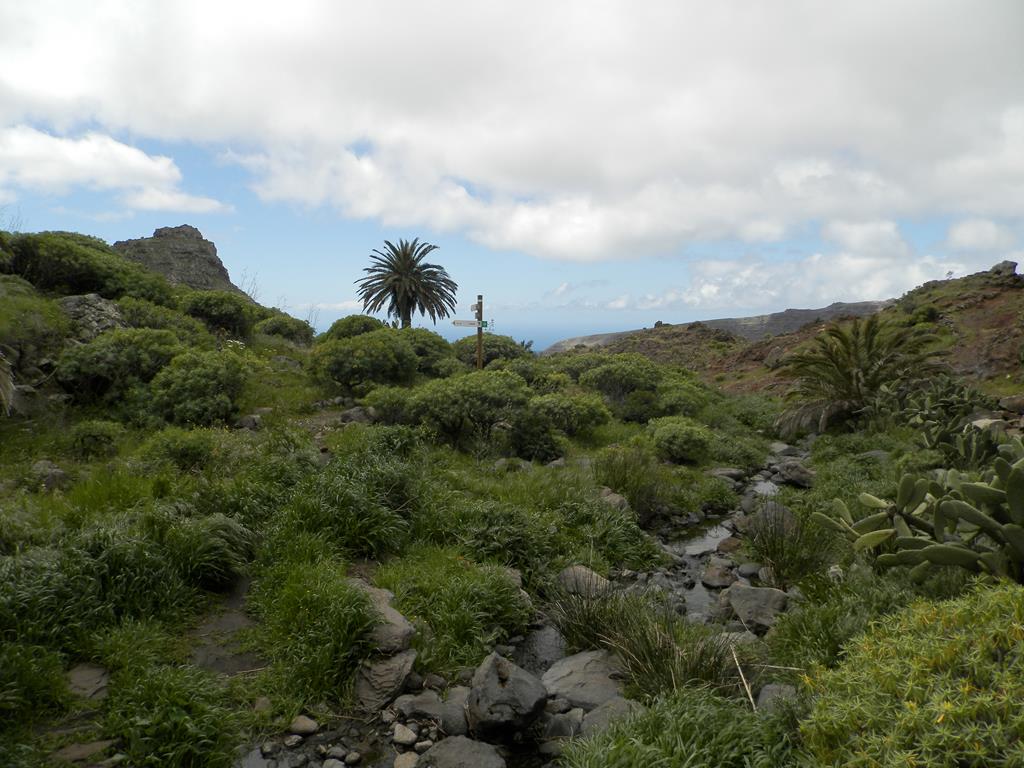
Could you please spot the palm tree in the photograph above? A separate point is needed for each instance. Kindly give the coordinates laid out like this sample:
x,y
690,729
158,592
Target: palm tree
x,y
400,278
847,366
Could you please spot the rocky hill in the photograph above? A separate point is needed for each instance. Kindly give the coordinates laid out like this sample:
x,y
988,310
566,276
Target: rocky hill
x,y
183,256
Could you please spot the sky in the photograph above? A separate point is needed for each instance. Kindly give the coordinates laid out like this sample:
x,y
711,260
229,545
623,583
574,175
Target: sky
x,y
586,165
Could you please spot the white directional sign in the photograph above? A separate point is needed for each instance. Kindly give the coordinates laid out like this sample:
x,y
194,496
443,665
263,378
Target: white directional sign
x,y
470,323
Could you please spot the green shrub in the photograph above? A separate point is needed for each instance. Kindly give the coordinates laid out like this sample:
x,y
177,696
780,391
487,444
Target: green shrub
x,y
434,354
32,683
199,388
695,728
96,439
679,440
463,410
939,682
317,626
463,608
222,311
495,348
572,414
353,325
172,717
624,375
287,327
384,356
140,313
67,263
188,450
113,363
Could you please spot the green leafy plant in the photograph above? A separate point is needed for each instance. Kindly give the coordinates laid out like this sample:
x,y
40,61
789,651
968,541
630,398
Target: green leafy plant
x,y
399,278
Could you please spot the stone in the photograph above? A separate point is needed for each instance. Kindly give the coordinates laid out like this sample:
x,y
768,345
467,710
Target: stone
x,y
394,632
564,725
404,736
585,680
717,576
183,256
303,726
91,315
78,753
404,760
757,607
49,476
773,695
792,472
603,716
580,580
503,697
379,681
88,681
541,648
460,752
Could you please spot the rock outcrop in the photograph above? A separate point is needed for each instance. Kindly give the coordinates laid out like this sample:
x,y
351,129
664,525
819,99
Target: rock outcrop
x,y
183,256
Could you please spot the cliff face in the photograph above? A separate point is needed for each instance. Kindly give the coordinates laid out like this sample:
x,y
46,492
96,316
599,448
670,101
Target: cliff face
x,y
182,255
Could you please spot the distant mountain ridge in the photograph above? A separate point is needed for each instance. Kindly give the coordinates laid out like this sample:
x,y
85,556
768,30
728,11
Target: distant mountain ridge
x,y
753,328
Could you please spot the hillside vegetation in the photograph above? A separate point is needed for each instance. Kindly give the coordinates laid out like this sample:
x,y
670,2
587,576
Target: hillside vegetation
x,y
225,539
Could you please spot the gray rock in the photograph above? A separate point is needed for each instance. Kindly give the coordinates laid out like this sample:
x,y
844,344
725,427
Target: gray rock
x,y
92,315
603,716
460,752
564,725
183,256
541,648
757,607
379,681
503,697
773,695
792,472
580,580
585,680
394,632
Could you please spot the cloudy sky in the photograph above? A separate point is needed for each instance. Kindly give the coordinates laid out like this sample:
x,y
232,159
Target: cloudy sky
x,y
587,165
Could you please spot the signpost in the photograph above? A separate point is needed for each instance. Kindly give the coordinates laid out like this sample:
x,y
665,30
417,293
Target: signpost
x,y
479,324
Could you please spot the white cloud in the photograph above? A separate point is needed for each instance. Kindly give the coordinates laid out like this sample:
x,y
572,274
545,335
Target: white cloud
x,y
568,130
33,159
979,235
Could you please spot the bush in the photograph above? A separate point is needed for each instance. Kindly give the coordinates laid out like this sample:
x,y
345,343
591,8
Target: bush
x,y
622,376
172,717
287,327
463,410
187,449
694,728
464,608
67,263
317,625
139,313
96,439
353,325
32,683
384,356
199,388
679,440
222,311
572,414
434,355
113,363
940,681
495,348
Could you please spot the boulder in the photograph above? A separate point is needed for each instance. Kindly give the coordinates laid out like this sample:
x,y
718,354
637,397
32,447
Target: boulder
x,y
503,697
757,607
91,315
541,648
394,632
460,752
586,680
580,580
603,716
379,681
